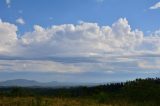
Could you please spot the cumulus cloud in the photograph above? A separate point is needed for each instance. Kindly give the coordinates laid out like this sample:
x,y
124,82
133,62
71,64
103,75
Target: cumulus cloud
x,y
156,6
8,37
8,2
81,47
20,21
90,38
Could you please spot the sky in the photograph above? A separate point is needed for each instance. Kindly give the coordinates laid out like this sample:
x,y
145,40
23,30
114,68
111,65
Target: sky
x,y
79,40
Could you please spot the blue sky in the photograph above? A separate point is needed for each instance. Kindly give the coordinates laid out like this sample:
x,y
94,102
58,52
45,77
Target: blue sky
x,y
52,12
87,40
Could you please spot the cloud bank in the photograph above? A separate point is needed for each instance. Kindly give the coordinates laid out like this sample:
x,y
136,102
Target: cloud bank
x,y
83,47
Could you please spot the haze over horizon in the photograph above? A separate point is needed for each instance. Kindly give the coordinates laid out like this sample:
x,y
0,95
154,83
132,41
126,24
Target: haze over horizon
x,y
79,40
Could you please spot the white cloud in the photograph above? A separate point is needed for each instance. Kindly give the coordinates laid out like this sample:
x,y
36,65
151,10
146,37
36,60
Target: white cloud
x,y
154,65
156,33
156,6
8,2
20,21
37,65
105,48
90,38
8,37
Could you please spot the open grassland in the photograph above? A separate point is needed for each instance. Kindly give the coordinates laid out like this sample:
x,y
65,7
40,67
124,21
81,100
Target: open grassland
x,y
31,101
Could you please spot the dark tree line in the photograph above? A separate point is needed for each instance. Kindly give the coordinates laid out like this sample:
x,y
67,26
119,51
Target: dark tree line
x,y
134,91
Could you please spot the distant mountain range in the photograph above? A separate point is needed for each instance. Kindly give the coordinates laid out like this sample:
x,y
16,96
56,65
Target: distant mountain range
x,y
32,83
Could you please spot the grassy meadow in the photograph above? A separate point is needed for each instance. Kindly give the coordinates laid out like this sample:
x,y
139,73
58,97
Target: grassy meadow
x,y
31,101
